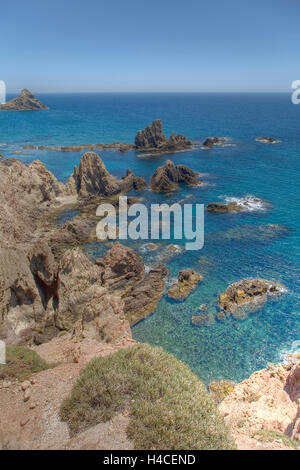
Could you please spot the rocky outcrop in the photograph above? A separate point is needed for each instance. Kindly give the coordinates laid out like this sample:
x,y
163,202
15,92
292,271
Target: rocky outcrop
x,y
248,294
152,138
210,142
124,273
78,148
222,208
84,305
25,192
263,411
167,177
187,282
26,101
267,140
93,179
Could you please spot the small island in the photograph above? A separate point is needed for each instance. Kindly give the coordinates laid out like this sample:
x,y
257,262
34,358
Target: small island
x,y
26,101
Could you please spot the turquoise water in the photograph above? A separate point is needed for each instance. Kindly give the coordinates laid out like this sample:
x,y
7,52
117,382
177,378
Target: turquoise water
x,y
236,245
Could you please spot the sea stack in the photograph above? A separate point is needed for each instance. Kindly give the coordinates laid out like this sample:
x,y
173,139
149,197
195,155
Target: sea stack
x,y
152,138
26,101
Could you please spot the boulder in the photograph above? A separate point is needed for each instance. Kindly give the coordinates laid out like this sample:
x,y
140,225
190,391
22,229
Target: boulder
x,y
167,177
222,208
247,293
210,142
188,280
152,138
26,101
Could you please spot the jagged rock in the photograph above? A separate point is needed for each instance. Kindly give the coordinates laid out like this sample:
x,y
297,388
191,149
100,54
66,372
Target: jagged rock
x,y
267,140
93,179
222,208
250,293
77,230
143,296
84,305
187,282
124,274
265,405
26,101
153,138
167,177
210,142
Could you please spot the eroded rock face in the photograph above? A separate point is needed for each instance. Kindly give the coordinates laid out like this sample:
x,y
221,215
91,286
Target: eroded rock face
x,y
167,177
187,282
153,138
246,294
93,179
124,273
84,305
262,404
26,101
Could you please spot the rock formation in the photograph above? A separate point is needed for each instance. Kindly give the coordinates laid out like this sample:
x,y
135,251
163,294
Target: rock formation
x,y
167,177
78,148
267,140
93,179
187,282
124,273
248,293
222,208
26,101
152,138
210,142
263,411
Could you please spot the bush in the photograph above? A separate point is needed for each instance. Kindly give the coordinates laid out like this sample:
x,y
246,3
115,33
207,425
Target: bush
x,y
169,407
21,363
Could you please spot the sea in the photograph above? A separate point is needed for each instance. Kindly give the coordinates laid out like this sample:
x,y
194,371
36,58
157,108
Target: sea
x,y
262,242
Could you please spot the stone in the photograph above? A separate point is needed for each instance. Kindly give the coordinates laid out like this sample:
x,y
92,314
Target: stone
x,y
247,293
152,138
222,208
188,280
267,140
93,179
210,142
24,385
167,177
27,394
26,101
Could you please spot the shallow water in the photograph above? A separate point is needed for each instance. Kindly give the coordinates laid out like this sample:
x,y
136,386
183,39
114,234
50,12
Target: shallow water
x,y
237,246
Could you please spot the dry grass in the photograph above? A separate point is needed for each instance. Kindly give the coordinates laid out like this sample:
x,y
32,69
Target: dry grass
x,y
169,407
21,363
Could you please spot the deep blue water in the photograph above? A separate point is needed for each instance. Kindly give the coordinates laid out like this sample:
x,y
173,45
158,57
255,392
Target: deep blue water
x,y
236,245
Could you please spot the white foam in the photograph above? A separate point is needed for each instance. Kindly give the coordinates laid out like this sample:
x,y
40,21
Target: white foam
x,y
248,203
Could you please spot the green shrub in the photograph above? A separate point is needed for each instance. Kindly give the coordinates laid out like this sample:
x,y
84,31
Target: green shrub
x,y
169,407
21,363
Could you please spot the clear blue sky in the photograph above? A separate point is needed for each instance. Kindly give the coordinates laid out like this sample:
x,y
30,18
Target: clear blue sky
x,y
153,45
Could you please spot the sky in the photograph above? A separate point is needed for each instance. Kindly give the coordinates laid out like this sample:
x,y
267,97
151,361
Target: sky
x,y
157,45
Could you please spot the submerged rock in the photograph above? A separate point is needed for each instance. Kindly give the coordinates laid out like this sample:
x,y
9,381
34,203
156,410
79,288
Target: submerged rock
x,y
222,208
26,101
187,282
248,293
267,140
210,142
167,177
93,179
153,138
